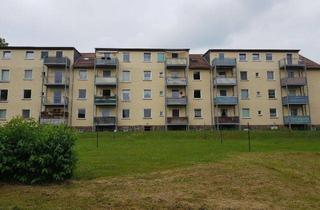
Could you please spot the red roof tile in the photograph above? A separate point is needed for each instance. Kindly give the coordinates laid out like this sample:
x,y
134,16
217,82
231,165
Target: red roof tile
x,y
85,61
197,61
310,64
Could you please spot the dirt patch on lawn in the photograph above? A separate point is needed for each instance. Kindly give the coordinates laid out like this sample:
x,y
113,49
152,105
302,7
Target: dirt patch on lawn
x,y
247,181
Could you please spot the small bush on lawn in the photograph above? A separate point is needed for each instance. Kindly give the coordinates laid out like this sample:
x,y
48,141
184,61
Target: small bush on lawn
x,y
32,153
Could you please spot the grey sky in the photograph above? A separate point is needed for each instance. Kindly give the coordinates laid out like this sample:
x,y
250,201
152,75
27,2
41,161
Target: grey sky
x,y
195,24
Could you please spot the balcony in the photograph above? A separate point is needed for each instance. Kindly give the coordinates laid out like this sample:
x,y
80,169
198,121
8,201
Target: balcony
x,y
296,81
177,120
226,100
105,121
296,120
176,101
294,63
224,62
105,100
176,81
56,82
56,61
106,81
55,102
227,120
53,121
295,100
173,63
225,81
106,62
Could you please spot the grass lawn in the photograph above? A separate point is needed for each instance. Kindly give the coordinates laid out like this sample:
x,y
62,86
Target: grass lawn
x,y
184,170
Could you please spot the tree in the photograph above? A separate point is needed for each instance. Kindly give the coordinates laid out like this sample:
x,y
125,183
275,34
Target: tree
x,y
3,43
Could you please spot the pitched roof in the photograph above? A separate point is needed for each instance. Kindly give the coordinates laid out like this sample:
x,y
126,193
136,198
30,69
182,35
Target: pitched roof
x,y
197,61
309,63
143,49
86,60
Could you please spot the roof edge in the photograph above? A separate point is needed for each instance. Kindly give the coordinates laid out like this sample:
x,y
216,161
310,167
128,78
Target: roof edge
x,y
142,49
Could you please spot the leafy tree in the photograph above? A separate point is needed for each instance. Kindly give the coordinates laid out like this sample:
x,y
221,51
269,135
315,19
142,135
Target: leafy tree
x,y
3,42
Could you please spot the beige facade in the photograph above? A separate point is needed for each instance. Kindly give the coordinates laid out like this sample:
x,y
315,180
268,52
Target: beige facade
x,y
159,89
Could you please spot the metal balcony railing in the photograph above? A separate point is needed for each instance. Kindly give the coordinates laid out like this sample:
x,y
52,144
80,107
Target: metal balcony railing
x,y
296,81
224,62
177,120
292,63
105,120
226,100
176,101
176,62
176,81
54,81
296,120
227,120
55,102
105,100
105,62
56,61
106,81
295,100
53,121
225,81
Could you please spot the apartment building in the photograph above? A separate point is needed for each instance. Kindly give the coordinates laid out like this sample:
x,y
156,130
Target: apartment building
x,y
160,89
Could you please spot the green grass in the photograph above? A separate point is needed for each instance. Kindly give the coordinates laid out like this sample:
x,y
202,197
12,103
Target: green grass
x,y
121,154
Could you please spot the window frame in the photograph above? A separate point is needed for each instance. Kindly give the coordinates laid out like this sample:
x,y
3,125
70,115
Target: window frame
x,y
7,95
144,57
4,57
144,75
85,94
144,94
29,52
273,77
276,113
256,57
83,114
5,114
244,98
122,76
125,111
2,73
242,113
197,91
274,94
267,56
162,56
195,113
126,91
25,73
25,91
240,57
29,113
126,57
144,112
83,71
246,79
194,73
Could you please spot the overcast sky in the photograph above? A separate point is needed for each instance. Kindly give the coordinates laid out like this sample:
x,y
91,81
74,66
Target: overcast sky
x,y
195,24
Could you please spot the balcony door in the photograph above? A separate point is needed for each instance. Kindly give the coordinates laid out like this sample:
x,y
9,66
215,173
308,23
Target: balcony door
x,y
222,74
57,97
58,75
106,93
175,113
105,112
294,111
175,93
106,73
289,58
224,113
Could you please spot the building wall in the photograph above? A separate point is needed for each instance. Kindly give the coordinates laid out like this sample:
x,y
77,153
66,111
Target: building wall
x,y
314,96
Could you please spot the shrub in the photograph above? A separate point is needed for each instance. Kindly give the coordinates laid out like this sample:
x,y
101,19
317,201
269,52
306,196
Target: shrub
x,y
33,153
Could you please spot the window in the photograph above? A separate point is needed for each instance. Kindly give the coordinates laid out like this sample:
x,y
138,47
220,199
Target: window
x,y
126,95
223,112
146,113
146,94
6,55
147,75
4,75
256,57
29,55
175,55
273,112
221,56
126,57
44,54
223,92
244,94
161,93
161,74
174,74
81,113
290,74
197,94
243,57
197,113
161,113
243,75
83,75
27,94
147,57
3,95
292,92
125,113
294,111
196,75
268,56
160,57
272,94
26,113
222,74
3,114
59,54
82,94
126,76
257,75
106,73
106,93
108,55
175,113
28,74
245,113
270,75
258,93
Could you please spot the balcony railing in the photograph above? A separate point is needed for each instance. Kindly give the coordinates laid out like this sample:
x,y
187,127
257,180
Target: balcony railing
x,y
177,120
292,63
296,81
225,81
295,100
105,120
296,120
105,100
176,101
176,81
176,62
53,121
226,100
55,102
106,62
54,114
56,61
224,62
227,120
106,81
53,81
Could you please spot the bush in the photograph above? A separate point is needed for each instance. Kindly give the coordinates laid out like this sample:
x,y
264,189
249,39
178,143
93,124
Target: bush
x,y
32,153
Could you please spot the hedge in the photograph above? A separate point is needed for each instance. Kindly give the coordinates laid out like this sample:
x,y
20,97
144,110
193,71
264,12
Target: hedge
x,y
33,153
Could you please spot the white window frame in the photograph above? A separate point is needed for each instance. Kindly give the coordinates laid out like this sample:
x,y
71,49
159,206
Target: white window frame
x,y
143,111
24,95
197,110
5,114
242,111
123,57
25,74
122,76
144,75
243,60
29,113
144,94
85,114
85,92
86,74
199,92
273,78
246,76
144,58
256,58
1,78
4,55
276,113
275,95
28,53
122,116
267,56
129,94
193,73
243,98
